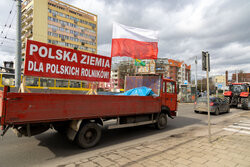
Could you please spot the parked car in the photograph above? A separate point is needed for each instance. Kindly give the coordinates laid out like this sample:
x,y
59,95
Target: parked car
x,y
217,105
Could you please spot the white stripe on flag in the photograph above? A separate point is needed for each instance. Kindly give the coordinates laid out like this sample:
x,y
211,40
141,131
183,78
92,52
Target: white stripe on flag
x,y
138,34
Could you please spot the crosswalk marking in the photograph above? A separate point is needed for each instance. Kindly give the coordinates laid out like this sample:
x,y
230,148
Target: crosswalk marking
x,y
239,127
246,122
236,130
242,124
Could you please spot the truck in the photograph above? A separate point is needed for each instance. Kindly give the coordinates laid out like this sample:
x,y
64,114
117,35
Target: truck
x,y
238,95
81,117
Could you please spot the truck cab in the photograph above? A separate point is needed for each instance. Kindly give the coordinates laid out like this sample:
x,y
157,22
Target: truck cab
x,y
169,95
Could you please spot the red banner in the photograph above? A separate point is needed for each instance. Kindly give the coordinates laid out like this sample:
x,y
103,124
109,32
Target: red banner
x,y
51,61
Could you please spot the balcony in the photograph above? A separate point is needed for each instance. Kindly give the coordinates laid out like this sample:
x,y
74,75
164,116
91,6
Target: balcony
x,y
23,45
28,27
23,16
29,11
23,32
29,19
23,38
23,50
23,24
29,34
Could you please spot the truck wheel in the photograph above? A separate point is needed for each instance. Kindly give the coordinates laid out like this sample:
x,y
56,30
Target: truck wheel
x,y
161,121
89,135
244,103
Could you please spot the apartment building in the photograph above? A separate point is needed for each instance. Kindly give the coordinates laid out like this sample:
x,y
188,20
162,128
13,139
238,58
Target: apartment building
x,y
58,23
179,71
55,22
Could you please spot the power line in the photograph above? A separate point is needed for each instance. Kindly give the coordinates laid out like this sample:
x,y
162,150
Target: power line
x,y
11,39
9,27
5,25
10,24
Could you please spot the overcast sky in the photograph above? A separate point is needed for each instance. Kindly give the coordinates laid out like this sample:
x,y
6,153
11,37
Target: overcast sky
x,y
186,28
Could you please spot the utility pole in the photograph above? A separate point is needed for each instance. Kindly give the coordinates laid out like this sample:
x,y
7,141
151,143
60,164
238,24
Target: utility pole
x,y
206,67
195,78
18,48
208,100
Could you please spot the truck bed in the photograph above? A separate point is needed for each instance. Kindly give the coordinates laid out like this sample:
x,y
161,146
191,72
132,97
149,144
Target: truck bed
x,y
19,108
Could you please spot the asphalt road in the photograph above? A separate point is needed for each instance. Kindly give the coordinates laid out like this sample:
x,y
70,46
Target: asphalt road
x,y
51,146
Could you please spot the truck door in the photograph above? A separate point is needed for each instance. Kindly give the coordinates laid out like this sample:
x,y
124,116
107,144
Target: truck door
x,y
169,95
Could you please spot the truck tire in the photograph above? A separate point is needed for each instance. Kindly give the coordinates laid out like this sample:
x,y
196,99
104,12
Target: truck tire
x,y
196,111
88,135
161,121
244,103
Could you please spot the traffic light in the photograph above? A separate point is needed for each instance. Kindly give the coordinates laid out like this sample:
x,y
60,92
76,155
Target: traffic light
x,y
204,61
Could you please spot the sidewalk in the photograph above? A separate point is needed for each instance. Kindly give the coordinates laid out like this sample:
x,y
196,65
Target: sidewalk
x,y
228,148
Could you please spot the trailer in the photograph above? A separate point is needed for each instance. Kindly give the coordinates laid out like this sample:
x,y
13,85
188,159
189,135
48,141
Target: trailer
x,y
81,117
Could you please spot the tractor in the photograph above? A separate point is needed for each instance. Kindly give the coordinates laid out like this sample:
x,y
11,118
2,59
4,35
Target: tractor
x,y
238,94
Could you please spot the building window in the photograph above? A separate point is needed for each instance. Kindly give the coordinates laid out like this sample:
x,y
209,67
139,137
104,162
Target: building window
x,y
62,83
75,84
46,82
31,81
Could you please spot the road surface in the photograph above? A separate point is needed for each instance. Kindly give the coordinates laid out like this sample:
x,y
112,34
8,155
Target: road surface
x,y
51,146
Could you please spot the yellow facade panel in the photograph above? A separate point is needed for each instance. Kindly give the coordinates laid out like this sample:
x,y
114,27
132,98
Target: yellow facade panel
x,y
54,38
84,25
90,46
65,19
40,20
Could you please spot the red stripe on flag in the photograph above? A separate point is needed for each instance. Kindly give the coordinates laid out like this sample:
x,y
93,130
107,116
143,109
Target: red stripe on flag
x,y
134,49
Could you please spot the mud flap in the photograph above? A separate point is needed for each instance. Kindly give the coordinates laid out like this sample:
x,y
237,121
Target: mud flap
x,y
169,114
5,130
73,129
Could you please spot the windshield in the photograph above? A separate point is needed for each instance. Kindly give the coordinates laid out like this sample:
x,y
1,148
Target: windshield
x,y
238,88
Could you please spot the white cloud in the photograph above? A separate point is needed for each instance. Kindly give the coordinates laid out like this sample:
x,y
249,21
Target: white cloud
x,y
186,28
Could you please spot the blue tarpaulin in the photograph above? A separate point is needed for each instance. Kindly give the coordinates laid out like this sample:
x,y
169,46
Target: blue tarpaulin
x,y
140,91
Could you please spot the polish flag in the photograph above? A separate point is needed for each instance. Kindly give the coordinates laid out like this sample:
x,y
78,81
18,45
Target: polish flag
x,y
134,42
